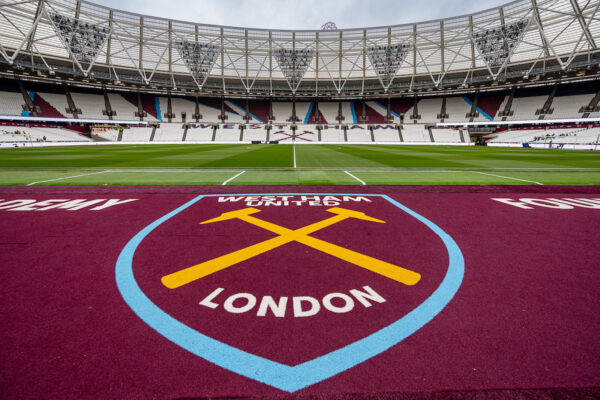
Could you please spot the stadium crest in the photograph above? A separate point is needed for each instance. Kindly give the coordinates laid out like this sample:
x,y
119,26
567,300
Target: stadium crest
x,y
289,289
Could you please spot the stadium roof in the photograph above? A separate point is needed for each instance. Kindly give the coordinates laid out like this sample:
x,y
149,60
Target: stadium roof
x,y
85,40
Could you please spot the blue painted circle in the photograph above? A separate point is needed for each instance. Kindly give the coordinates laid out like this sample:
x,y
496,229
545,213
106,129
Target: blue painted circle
x,y
281,376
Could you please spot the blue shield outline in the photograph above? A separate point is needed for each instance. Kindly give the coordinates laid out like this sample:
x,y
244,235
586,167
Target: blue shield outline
x,y
284,377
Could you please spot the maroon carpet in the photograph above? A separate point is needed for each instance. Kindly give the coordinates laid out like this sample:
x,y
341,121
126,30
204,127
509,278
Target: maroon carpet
x,y
523,324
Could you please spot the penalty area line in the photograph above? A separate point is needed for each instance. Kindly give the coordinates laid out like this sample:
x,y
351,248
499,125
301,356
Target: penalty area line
x,y
361,181
232,178
66,177
507,177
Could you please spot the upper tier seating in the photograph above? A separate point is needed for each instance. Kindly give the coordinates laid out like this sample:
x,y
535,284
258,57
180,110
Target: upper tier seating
x,y
457,108
429,109
11,103
569,106
124,109
91,105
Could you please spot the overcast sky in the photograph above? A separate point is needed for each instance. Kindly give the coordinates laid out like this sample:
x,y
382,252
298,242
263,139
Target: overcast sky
x,y
302,14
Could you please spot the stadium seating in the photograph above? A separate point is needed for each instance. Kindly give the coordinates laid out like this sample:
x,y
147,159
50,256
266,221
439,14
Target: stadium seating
x,y
415,133
281,132
386,133
228,133
306,133
169,132
457,108
429,109
332,133
11,103
91,105
37,134
360,133
329,111
446,135
255,132
137,134
124,109
201,132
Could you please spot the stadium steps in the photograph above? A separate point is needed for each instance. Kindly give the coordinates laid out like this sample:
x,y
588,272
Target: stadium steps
x,y
28,100
593,103
71,103
107,106
185,130
475,100
547,103
509,102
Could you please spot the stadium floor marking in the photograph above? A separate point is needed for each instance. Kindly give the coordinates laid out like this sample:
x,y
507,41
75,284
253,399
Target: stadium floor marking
x,y
294,146
507,177
361,182
232,178
67,177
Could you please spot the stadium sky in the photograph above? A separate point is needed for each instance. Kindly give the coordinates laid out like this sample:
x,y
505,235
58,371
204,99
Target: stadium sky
x,y
302,14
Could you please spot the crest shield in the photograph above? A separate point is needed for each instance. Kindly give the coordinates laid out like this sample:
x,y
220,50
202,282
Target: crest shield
x,y
227,277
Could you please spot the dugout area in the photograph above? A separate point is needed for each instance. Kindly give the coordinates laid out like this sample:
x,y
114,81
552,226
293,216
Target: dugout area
x,y
301,292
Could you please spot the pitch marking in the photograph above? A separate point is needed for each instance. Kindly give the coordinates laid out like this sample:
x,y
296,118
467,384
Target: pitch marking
x,y
361,182
232,178
508,177
66,177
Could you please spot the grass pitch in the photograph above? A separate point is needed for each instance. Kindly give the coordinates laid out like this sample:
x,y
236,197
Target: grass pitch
x,y
216,164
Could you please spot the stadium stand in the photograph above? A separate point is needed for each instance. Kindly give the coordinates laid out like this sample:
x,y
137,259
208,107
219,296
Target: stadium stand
x,y
332,133
457,109
415,133
136,134
228,133
91,105
386,133
123,108
358,133
281,133
37,134
201,132
169,132
446,135
429,109
255,132
11,103
306,133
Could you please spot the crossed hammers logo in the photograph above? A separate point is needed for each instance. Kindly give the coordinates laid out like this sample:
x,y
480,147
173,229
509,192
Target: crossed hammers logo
x,y
285,235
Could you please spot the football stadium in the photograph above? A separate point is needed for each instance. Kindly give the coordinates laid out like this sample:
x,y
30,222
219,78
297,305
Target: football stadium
x,y
203,211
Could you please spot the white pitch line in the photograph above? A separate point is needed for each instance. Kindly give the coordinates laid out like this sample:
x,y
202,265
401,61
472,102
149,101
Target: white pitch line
x,y
66,177
232,178
507,177
294,146
361,182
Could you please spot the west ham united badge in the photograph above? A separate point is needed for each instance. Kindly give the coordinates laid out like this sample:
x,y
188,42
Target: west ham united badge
x,y
289,289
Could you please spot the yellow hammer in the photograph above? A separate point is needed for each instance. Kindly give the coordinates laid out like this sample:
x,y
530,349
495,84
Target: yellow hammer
x,y
286,235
